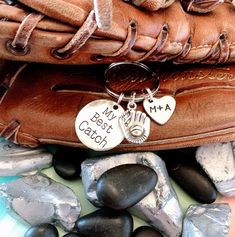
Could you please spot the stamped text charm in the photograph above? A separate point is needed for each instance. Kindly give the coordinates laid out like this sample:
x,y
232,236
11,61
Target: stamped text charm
x,y
160,109
97,125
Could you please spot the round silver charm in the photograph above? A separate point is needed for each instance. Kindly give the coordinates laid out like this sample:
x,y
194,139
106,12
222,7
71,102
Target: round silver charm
x,y
97,125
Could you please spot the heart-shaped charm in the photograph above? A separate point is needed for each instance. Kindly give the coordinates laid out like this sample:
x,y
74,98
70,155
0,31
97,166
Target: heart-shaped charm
x,y
160,109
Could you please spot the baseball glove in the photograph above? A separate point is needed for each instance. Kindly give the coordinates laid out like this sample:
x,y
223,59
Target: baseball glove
x,y
83,32
40,102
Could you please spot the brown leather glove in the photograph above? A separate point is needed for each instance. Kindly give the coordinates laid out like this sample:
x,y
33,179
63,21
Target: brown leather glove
x,y
39,104
200,6
77,32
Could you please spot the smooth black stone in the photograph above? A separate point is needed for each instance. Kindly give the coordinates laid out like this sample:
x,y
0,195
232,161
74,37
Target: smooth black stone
x,y
43,230
146,231
123,186
105,223
175,155
184,169
72,235
67,162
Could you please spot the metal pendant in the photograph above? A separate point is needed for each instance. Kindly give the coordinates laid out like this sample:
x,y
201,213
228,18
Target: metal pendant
x,y
160,109
135,126
97,125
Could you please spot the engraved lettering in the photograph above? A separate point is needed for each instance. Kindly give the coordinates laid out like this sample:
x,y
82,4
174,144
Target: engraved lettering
x,y
95,117
109,128
103,141
159,107
167,107
84,127
92,133
98,139
218,74
99,122
109,114
88,131
82,124
133,78
104,125
153,108
221,76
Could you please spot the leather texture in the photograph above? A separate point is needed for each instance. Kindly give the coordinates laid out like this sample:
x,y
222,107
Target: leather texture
x,y
39,104
67,32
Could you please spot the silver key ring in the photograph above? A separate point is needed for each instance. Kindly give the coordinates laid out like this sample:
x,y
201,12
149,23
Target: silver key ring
x,y
115,73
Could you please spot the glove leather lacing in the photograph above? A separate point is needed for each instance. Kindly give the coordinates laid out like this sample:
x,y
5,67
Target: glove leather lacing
x,y
20,44
10,132
79,39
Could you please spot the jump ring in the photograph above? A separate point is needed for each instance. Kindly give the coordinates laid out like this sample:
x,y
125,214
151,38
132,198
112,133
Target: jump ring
x,y
120,98
150,94
131,106
138,97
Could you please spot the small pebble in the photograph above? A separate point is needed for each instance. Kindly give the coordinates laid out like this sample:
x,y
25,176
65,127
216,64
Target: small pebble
x,y
67,162
146,231
184,169
43,230
123,186
105,223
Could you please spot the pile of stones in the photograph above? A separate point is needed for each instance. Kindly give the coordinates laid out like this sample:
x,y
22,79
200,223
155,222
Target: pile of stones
x,y
119,186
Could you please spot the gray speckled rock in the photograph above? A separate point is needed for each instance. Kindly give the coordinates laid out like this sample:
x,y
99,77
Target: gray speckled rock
x,y
160,208
218,162
18,160
208,220
38,199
